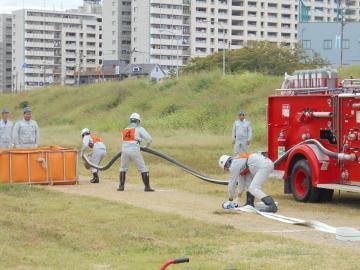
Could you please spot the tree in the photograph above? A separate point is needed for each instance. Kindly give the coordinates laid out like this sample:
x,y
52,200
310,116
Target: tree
x,y
260,56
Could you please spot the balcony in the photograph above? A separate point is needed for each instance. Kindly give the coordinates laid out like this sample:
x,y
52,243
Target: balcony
x,y
70,72
38,62
34,79
38,36
39,45
39,53
38,71
39,27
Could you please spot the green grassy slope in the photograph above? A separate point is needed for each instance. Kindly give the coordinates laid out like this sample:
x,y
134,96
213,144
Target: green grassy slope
x,y
205,102
202,103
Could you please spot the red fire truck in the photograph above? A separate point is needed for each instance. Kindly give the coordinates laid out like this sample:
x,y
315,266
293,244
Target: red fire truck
x,y
314,134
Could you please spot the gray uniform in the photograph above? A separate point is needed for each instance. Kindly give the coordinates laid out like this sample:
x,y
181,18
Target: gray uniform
x,y
98,151
241,134
260,168
131,148
6,130
26,134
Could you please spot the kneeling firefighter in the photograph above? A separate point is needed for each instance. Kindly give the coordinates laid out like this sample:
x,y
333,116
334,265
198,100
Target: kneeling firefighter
x,y
250,170
98,147
132,136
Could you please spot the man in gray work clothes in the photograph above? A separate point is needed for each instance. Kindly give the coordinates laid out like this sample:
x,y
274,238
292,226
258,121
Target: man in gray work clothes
x,y
26,132
241,134
6,128
133,135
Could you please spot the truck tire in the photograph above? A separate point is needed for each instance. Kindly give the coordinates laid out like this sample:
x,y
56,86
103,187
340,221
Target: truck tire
x,y
301,183
326,195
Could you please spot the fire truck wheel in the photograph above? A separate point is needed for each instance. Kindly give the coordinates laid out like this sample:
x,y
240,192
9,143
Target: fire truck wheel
x,y
326,195
301,183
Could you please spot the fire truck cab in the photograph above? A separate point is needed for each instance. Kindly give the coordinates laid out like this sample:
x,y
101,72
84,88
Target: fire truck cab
x,y
314,134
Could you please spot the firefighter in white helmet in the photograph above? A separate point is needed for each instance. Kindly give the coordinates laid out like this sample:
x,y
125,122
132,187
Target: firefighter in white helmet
x,y
6,129
250,170
96,144
26,133
241,134
132,136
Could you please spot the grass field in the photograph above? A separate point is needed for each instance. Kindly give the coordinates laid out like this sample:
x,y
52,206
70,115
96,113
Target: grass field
x,y
41,229
189,119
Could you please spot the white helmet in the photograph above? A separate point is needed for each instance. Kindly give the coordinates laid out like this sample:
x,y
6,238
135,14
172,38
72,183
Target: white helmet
x,y
135,116
85,130
223,160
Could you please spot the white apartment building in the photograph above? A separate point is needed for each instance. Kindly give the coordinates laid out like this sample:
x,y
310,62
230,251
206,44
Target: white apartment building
x,y
90,7
160,32
50,47
229,24
326,10
5,52
117,30
169,32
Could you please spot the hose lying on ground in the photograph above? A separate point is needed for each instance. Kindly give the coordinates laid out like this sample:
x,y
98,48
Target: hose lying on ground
x,y
162,156
340,156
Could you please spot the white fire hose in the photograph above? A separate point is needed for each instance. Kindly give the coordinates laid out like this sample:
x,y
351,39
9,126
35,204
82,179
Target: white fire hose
x,y
342,233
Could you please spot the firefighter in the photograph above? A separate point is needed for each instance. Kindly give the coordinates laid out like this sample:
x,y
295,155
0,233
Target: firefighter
x,y
132,136
6,129
241,134
98,147
26,133
252,170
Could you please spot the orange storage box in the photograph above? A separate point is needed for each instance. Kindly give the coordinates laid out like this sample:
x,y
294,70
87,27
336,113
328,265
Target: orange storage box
x,y
43,165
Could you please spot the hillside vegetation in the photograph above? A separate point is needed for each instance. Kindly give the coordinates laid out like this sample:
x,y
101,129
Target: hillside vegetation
x,y
201,103
207,102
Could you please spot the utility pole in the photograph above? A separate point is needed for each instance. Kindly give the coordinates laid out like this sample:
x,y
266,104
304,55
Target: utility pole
x,y
79,69
342,38
177,57
224,48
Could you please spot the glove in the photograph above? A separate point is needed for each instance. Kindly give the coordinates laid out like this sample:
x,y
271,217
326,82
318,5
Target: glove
x,y
245,172
228,205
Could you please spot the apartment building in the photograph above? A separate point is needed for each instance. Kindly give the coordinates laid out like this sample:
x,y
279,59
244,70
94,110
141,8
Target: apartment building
x,y
90,7
229,24
160,32
51,47
5,52
117,37
327,10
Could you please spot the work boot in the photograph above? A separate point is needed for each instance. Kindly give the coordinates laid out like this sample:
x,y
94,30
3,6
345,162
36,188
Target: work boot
x,y
146,179
270,205
95,179
122,181
249,199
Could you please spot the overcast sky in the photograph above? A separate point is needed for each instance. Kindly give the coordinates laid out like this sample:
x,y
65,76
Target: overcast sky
x,y
6,6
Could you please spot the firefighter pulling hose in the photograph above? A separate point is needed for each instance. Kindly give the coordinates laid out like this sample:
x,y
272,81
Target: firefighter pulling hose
x,y
340,156
342,233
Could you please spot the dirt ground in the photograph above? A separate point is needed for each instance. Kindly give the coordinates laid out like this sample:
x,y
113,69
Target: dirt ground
x,y
208,209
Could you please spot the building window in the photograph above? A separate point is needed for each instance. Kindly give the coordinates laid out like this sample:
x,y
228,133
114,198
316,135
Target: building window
x,y
327,44
346,44
306,44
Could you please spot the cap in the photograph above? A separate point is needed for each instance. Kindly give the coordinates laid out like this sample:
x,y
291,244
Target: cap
x,y
241,113
5,110
27,109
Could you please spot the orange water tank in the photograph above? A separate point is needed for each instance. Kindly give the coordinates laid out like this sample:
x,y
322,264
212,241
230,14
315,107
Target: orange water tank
x,y
43,165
